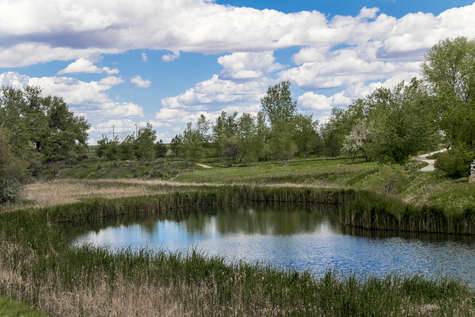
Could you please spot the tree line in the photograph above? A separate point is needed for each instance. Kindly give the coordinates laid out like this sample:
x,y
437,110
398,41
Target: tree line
x,y
389,125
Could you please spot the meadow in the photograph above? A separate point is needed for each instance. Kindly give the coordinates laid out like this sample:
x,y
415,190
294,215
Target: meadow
x,y
38,266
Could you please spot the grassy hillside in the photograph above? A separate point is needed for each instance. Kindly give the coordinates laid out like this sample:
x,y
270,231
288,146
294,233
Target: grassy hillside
x,y
403,182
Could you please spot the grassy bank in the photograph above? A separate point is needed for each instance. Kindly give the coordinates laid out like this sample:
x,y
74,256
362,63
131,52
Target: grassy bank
x,y
406,182
38,266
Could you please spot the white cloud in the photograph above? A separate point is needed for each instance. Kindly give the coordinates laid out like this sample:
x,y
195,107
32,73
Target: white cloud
x,y
138,81
30,53
84,65
248,65
204,26
144,57
171,57
320,102
88,98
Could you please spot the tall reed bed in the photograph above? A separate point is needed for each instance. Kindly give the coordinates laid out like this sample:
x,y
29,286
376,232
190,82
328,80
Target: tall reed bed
x,y
361,209
37,265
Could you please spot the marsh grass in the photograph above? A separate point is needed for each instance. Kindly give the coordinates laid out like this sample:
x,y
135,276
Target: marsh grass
x,y
38,266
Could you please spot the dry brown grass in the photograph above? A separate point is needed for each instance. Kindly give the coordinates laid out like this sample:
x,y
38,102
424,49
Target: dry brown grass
x,y
66,191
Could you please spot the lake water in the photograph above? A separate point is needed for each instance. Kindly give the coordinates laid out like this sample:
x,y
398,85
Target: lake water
x,y
300,239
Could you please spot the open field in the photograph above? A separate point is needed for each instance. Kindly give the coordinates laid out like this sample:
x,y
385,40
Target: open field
x,y
405,183
38,266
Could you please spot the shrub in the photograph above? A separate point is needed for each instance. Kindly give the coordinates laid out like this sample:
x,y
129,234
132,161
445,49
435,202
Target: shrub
x,y
455,162
390,179
12,170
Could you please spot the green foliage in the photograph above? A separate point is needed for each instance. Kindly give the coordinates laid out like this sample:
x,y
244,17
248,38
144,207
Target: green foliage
x,y
278,105
144,143
456,161
450,70
160,149
45,129
12,170
390,180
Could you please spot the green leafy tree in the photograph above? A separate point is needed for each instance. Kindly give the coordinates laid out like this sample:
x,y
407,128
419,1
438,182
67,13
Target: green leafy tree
x,y
12,170
281,110
176,145
45,130
306,136
144,143
160,149
400,123
278,105
449,68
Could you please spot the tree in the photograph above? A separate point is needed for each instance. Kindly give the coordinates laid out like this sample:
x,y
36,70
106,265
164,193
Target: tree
x,y
400,122
12,170
160,149
176,145
449,69
278,105
305,135
43,128
280,109
144,143
357,141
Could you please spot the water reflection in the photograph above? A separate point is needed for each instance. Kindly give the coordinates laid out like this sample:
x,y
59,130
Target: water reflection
x,y
295,238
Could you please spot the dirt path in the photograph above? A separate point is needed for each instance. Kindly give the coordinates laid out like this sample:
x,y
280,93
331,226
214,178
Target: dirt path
x,y
423,158
204,165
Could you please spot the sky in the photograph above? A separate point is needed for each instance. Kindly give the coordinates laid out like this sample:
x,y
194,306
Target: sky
x,y
123,64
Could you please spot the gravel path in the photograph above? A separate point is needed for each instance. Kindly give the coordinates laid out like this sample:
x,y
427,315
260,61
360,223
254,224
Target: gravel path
x,y
423,158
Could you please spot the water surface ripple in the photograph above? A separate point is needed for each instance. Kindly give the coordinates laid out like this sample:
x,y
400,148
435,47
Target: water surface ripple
x,y
299,239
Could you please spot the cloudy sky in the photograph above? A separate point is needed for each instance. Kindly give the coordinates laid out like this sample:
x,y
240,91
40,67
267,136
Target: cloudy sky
x,y
121,63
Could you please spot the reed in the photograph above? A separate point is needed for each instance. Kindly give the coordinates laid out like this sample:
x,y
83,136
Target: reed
x,y
38,266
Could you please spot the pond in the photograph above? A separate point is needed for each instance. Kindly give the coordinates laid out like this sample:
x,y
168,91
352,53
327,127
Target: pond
x,y
294,238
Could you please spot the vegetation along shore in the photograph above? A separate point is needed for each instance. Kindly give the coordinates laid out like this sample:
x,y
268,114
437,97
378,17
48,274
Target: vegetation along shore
x,y
362,163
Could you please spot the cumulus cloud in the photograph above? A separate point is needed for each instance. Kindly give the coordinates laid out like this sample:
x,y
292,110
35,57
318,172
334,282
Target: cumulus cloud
x,y
315,101
88,98
30,53
68,27
171,56
84,65
138,81
248,65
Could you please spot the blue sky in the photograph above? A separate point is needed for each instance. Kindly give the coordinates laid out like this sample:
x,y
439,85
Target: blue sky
x,y
166,62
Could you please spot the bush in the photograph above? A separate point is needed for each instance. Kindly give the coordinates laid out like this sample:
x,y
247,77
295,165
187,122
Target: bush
x,y
455,162
12,170
390,179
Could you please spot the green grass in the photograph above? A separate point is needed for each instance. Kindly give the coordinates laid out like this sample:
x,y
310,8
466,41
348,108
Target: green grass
x,y
40,267
11,308
417,188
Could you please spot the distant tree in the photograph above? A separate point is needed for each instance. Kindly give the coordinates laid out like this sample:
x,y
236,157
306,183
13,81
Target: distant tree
x,y
160,149
278,105
280,109
109,149
305,135
12,170
176,145
357,141
127,148
144,143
